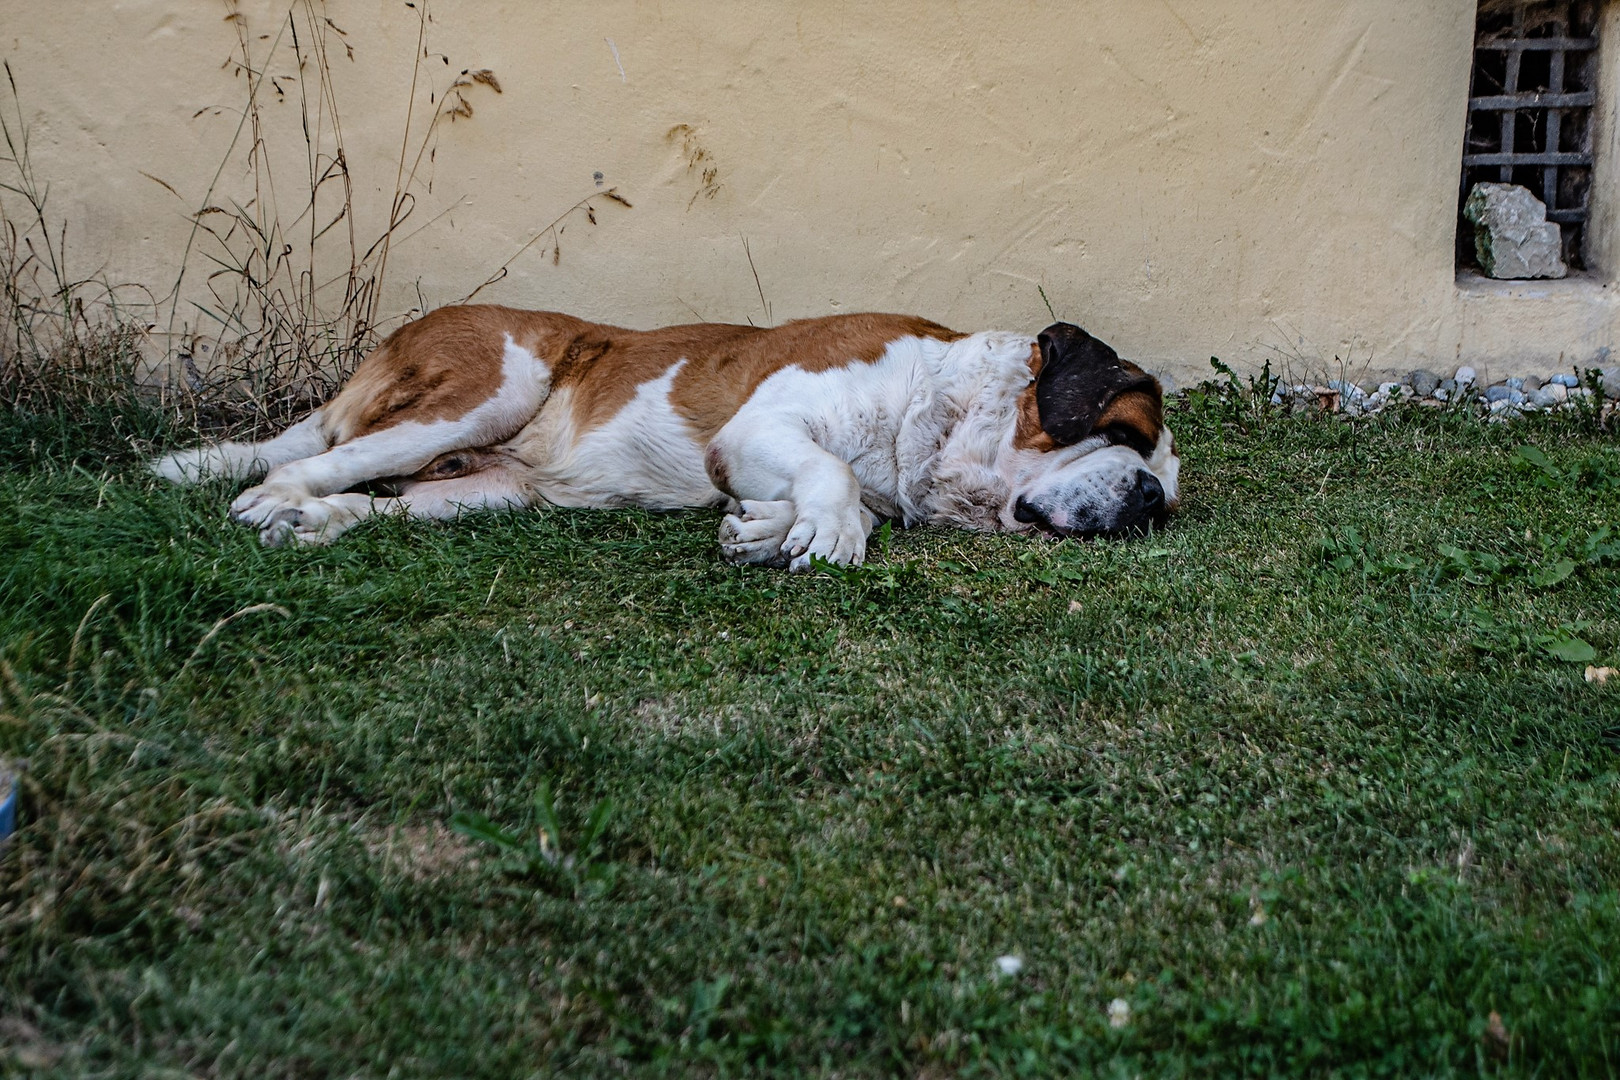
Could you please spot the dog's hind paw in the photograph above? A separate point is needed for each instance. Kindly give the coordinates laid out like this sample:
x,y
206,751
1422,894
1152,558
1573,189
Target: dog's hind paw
x,y
187,467
227,461
180,467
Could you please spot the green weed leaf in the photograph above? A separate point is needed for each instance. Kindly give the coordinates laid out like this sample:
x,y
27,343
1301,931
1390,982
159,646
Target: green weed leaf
x,y
1552,573
1572,649
546,854
1533,456
597,823
478,827
1599,548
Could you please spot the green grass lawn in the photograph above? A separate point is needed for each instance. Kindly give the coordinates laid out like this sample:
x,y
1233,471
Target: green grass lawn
x,y
1312,781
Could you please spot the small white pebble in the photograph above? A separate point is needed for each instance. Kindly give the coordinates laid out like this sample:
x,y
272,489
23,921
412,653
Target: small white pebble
x,y
1599,675
1119,1013
1009,965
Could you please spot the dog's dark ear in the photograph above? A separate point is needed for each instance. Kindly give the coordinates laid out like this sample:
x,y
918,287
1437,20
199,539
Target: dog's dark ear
x,y
1080,376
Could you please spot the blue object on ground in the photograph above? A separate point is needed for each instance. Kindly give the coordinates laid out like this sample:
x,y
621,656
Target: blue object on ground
x,y
8,812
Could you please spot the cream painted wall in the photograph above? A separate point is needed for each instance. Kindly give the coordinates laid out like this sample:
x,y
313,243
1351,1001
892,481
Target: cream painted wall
x,y
1183,177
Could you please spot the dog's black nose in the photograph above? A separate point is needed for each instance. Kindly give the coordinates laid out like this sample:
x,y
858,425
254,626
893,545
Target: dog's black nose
x,y
1151,494
1024,510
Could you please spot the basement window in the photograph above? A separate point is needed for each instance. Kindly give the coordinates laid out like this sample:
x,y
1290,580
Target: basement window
x,y
1530,111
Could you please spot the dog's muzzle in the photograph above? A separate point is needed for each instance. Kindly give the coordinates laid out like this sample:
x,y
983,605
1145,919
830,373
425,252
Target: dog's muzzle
x,y
1140,505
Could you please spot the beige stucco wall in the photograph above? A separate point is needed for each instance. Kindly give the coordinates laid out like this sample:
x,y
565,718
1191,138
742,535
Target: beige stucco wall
x,y
1183,177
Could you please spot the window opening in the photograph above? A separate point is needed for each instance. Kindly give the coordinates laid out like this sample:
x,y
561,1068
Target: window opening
x,y
1530,111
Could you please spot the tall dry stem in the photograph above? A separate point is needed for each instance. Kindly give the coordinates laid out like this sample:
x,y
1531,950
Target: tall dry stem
x,y
291,290
64,339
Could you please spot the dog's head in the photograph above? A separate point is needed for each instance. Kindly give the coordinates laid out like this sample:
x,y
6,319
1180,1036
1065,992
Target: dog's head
x,y
1091,455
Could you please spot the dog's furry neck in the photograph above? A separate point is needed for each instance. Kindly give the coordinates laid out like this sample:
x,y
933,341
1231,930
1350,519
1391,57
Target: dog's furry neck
x,y
950,445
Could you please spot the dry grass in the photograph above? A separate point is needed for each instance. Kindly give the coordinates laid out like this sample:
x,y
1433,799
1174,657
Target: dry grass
x,y
64,338
280,290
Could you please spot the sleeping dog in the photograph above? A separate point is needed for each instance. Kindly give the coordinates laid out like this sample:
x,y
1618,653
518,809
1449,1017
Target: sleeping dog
x,y
801,432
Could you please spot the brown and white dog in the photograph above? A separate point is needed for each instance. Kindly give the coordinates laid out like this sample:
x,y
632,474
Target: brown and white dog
x,y
802,432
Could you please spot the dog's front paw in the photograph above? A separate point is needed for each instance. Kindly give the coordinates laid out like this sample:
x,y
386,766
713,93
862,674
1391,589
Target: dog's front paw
x,y
312,522
755,534
839,536
257,505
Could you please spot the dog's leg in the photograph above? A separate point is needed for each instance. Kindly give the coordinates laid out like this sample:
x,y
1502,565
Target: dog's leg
x,y
827,518
243,461
756,535
322,520
409,402
395,451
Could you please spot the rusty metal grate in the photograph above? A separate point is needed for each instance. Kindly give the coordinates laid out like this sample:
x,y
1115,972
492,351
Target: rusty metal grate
x,y
1530,110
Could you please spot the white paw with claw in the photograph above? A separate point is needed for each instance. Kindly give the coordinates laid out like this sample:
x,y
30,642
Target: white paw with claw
x,y
755,534
839,536
776,534
311,522
257,505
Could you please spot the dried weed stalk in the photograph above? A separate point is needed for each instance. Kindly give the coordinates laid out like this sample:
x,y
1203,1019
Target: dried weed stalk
x,y
66,341
291,292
